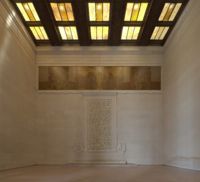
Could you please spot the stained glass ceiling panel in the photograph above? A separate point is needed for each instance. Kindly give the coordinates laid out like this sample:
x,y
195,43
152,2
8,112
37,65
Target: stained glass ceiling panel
x,y
135,11
62,11
99,11
28,11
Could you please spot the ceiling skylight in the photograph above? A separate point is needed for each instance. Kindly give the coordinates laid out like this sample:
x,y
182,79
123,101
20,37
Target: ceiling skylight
x,y
159,33
130,32
62,11
99,11
99,22
170,11
135,11
39,32
99,32
28,11
68,32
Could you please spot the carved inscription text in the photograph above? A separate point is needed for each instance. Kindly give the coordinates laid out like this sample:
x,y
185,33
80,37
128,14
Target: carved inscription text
x,y
99,124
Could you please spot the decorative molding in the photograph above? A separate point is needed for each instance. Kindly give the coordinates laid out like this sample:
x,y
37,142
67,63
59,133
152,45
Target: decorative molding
x,y
99,56
99,92
108,49
13,24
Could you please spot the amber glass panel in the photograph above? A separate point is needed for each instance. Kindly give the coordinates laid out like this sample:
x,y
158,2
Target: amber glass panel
x,y
34,12
28,11
130,33
92,11
164,33
105,33
62,33
44,33
169,12
39,32
164,11
124,33
99,11
143,9
153,37
135,11
62,11
129,8
34,32
56,12
93,31
68,33
69,10
136,33
106,11
159,33
99,32
74,33
23,12
175,12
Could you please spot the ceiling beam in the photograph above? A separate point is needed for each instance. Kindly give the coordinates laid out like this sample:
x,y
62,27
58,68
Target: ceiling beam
x,y
81,18
47,19
117,19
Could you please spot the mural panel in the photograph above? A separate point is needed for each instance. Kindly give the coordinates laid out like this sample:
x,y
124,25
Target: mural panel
x,y
99,78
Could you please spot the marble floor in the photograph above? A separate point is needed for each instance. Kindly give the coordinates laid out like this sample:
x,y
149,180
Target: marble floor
x,y
86,173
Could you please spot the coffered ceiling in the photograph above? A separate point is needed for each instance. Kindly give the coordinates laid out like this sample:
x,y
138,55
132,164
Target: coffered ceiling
x,y
99,22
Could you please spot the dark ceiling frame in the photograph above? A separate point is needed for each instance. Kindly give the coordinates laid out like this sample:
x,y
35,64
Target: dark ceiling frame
x,y
115,24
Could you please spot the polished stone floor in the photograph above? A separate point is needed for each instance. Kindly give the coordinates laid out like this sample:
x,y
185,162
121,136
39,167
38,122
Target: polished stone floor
x,y
81,173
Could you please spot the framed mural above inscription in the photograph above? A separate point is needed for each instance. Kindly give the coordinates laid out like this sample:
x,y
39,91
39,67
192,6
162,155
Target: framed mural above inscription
x,y
99,78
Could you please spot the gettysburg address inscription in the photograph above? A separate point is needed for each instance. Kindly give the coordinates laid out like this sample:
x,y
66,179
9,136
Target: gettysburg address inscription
x,y
100,124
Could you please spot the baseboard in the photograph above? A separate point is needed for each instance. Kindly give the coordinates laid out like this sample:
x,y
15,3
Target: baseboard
x,y
12,168
80,162
98,162
192,163
180,162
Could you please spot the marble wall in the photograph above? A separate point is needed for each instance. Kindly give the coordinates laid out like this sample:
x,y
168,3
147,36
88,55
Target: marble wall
x,y
133,130
42,127
39,127
134,134
181,87
17,92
